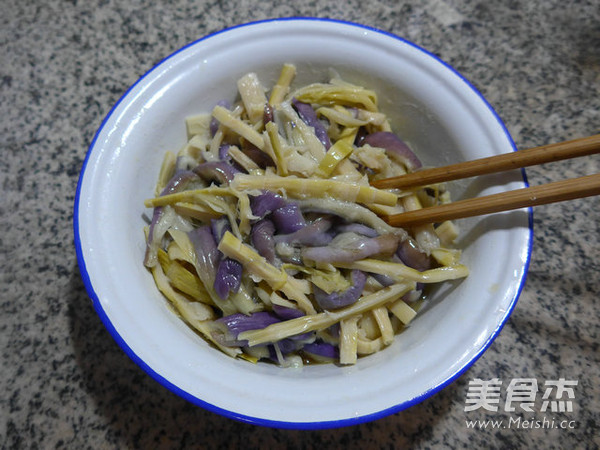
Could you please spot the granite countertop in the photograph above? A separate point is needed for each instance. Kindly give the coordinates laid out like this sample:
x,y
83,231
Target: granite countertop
x,y
65,383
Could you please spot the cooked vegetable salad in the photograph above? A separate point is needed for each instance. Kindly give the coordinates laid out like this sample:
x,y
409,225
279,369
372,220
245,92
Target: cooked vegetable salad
x,y
266,235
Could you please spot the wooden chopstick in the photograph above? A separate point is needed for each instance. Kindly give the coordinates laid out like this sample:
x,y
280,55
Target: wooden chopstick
x,y
499,163
557,191
537,195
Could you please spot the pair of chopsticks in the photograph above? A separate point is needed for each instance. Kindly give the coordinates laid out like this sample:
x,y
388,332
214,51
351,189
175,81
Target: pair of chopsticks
x,y
532,196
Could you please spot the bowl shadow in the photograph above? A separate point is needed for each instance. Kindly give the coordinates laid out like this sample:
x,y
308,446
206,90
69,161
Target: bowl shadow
x,y
141,413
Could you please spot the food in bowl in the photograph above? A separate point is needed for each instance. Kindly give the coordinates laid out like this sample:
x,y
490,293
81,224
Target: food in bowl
x,y
439,114
265,234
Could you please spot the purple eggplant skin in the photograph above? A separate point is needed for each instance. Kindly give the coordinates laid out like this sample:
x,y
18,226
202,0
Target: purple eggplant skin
x,y
286,346
225,157
268,113
359,249
218,171
266,203
309,117
361,134
323,350
384,280
286,313
262,239
357,228
228,277
224,153
238,322
339,299
314,234
412,256
207,254
257,155
179,181
288,218
395,147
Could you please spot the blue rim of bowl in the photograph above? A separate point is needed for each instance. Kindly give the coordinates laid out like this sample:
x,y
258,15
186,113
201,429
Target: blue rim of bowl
x,y
266,422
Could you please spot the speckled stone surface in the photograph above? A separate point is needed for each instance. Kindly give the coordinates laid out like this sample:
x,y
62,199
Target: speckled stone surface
x,y
64,382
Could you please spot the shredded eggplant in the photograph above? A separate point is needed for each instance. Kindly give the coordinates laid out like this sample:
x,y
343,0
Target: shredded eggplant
x,y
265,236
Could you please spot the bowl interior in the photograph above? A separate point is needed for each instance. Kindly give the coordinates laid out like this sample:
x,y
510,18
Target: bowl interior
x,y
442,117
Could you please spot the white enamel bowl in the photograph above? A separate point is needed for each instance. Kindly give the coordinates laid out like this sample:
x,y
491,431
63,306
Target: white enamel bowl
x,y
436,110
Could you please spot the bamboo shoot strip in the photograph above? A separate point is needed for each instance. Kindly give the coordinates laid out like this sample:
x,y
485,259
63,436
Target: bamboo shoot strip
x,y
399,271
260,267
310,187
192,196
282,330
238,126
